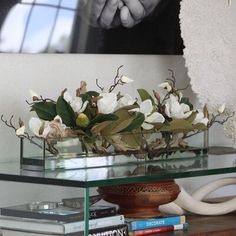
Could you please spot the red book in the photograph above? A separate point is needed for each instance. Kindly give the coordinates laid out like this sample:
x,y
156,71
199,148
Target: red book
x,y
159,229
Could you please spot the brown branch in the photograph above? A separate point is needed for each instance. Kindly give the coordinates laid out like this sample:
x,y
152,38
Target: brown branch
x,y
100,87
116,82
41,99
221,122
172,79
25,135
190,135
10,124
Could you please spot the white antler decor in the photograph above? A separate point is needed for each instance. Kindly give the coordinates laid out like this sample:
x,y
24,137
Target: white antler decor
x,y
194,203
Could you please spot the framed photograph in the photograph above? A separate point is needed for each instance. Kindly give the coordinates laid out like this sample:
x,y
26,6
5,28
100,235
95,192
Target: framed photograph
x,y
90,26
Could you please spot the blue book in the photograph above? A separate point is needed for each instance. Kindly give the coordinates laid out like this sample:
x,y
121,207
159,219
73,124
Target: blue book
x,y
155,222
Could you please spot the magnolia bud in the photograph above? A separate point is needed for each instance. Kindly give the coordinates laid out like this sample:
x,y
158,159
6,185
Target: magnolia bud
x,y
221,109
82,120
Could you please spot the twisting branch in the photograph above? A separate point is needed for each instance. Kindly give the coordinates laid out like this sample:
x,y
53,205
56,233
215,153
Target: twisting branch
x,y
25,135
10,124
192,134
221,122
117,73
167,96
100,87
41,99
117,80
172,79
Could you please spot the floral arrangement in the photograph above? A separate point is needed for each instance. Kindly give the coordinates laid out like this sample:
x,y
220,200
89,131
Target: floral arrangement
x,y
101,119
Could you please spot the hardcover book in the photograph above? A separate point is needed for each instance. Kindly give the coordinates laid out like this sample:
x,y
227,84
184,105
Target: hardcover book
x,y
155,222
56,227
60,213
121,230
159,230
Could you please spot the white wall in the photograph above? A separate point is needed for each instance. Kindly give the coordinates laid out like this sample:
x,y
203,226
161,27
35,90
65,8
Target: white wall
x,y
48,75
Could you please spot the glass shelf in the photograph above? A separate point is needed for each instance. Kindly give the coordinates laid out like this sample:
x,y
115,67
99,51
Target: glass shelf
x,y
123,174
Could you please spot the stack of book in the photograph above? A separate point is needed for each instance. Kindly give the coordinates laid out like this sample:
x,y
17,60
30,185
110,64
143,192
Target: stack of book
x,y
22,221
156,225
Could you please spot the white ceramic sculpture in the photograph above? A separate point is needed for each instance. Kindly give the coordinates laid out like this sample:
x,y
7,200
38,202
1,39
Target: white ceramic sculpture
x,y
194,203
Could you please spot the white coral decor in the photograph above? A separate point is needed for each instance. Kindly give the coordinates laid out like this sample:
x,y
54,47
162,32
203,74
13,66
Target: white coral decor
x,y
230,128
176,110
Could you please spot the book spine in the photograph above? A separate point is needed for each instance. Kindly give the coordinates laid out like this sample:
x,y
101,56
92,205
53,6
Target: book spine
x,y
121,230
159,230
94,224
93,214
99,213
158,222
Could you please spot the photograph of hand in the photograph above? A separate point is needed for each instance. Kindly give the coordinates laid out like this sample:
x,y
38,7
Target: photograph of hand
x,y
90,26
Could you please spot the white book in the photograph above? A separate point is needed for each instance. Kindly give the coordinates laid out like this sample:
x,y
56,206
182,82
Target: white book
x,y
56,227
9,232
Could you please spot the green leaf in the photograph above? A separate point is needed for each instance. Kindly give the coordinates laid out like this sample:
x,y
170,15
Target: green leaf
x,y
100,126
93,93
124,118
89,139
158,125
121,125
103,117
85,97
144,95
192,117
200,126
65,111
178,125
45,110
186,101
136,123
128,107
132,139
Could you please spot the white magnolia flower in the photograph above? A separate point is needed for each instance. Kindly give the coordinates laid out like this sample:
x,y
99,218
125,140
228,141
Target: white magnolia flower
x,y
126,100
180,95
125,79
59,119
166,86
200,119
176,110
38,127
20,131
76,103
146,108
67,96
221,109
107,103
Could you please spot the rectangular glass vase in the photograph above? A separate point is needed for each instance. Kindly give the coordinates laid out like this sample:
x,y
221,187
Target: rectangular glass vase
x,y
39,154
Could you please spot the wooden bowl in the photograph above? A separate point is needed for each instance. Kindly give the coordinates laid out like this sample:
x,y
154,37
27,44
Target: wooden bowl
x,y
141,200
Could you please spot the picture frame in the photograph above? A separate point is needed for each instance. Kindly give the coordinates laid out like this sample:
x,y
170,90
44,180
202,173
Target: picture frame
x,y
62,26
